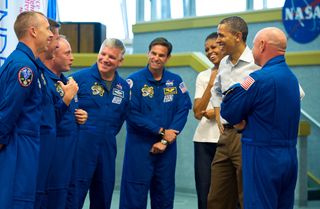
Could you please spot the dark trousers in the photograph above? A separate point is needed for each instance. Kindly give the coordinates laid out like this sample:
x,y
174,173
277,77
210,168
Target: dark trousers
x,y
226,176
203,156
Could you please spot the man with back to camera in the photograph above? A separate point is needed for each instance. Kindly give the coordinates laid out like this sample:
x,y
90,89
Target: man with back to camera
x,y
160,104
207,133
105,96
21,95
267,107
226,175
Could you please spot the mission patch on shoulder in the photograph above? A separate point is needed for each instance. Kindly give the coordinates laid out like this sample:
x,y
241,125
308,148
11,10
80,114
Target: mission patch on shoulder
x,y
25,76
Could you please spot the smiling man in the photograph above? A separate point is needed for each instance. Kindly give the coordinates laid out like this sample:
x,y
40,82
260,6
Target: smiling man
x,y
226,179
105,96
159,105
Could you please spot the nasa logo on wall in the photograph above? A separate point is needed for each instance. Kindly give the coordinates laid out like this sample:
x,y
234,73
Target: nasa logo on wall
x,y
301,19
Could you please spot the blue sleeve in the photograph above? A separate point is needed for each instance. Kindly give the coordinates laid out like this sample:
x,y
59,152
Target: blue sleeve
x,y
182,111
15,93
237,103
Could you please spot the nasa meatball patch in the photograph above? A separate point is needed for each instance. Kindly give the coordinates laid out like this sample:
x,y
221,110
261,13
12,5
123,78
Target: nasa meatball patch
x,y
25,76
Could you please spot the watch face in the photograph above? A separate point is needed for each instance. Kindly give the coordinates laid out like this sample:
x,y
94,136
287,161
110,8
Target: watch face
x,y
164,142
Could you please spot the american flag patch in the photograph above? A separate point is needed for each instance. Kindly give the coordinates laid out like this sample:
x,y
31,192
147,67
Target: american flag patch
x,y
246,84
183,87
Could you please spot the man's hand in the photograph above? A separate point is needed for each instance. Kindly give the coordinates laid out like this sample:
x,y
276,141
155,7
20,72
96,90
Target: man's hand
x,y
217,118
70,90
158,148
1,146
81,116
240,126
170,135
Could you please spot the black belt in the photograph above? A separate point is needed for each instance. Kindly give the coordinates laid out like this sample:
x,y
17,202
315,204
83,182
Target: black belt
x,y
228,126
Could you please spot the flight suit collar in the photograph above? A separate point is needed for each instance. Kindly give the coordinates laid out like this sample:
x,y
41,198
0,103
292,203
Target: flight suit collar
x,y
275,60
23,47
150,78
246,56
55,77
49,73
96,74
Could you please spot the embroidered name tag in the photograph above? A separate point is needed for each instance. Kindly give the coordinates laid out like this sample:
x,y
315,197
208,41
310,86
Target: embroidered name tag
x,y
118,93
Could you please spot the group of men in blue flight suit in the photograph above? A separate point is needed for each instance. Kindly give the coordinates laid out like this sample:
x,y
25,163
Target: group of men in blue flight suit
x,y
37,109
156,114
154,102
38,112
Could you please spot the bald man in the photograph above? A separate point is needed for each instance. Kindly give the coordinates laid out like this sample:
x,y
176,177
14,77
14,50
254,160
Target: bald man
x,y
268,103
21,93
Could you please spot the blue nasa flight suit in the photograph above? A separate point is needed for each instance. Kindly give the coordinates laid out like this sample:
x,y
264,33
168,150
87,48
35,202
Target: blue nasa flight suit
x,y
64,147
154,104
269,101
97,148
20,112
47,139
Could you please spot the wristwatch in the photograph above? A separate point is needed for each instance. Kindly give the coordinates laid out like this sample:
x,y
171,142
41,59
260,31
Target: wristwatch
x,y
162,132
164,142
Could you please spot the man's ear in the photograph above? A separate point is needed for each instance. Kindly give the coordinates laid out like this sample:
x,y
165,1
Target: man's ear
x,y
238,36
262,46
33,31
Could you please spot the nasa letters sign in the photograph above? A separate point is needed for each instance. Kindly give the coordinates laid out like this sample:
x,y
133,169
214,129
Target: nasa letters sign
x,y
301,19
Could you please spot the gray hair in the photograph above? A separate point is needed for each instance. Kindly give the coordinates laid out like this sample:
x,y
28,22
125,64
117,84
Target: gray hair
x,y
113,43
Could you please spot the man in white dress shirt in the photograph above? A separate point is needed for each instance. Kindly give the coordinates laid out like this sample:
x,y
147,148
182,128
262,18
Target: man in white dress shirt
x,y
226,175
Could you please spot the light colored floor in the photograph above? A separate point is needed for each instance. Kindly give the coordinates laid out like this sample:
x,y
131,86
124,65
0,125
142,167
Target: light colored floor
x,y
182,201
189,201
